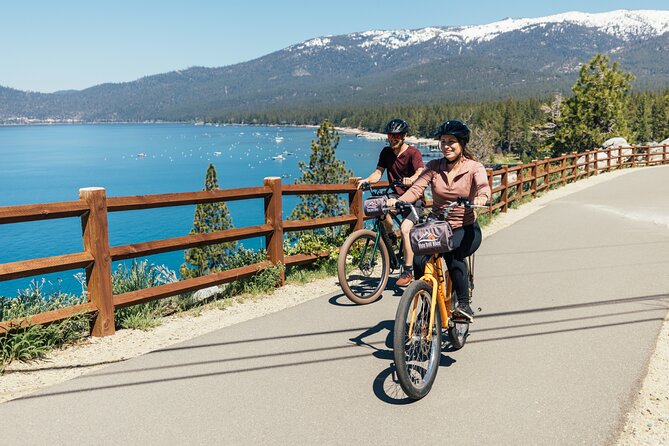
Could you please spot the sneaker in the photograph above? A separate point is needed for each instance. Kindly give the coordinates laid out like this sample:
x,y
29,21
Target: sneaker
x,y
465,311
405,278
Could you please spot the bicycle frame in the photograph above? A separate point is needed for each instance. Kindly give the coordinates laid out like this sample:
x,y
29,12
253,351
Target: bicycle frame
x,y
442,292
381,232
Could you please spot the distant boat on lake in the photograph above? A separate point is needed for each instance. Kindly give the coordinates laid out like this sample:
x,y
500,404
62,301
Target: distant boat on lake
x,y
279,157
141,155
278,139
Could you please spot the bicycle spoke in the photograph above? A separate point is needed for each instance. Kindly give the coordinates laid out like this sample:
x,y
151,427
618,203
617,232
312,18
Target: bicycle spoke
x,y
364,267
417,346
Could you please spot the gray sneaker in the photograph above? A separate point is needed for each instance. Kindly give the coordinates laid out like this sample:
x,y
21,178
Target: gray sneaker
x,y
465,311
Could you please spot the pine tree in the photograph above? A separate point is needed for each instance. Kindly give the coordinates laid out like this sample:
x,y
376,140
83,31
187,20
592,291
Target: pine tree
x,y
544,132
597,111
323,168
661,117
643,127
209,217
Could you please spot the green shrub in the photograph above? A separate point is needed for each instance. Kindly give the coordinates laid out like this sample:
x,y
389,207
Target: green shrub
x,y
315,244
264,281
35,341
137,276
322,268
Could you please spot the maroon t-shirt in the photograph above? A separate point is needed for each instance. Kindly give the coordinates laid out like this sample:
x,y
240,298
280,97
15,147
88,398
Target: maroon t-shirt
x,y
402,166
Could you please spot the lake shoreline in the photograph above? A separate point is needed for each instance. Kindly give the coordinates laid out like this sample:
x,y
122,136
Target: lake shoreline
x,y
360,133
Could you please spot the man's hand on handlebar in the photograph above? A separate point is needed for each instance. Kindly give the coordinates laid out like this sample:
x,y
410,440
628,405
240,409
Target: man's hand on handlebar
x,y
406,181
362,184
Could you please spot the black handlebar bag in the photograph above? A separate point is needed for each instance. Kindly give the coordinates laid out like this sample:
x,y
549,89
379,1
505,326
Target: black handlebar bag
x,y
431,237
373,206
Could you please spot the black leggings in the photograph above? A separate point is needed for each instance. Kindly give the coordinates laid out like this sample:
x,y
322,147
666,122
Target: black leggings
x,y
466,240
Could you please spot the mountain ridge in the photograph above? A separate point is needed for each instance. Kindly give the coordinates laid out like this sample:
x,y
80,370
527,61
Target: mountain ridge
x,y
511,57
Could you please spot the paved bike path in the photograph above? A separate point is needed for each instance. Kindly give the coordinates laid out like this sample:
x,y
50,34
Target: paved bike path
x,y
573,297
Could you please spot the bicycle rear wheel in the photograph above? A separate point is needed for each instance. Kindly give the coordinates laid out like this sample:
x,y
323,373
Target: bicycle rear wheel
x,y
458,330
417,357
362,267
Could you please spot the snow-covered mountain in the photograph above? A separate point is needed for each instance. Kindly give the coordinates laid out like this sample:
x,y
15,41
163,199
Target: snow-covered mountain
x,y
623,24
520,57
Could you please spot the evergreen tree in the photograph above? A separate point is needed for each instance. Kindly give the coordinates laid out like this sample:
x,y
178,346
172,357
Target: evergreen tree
x,y
544,132
661,117
209,217
643,127
597,111
323,168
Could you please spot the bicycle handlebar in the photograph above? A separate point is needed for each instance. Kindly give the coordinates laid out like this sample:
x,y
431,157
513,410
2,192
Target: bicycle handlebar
x,y
460,201
366,185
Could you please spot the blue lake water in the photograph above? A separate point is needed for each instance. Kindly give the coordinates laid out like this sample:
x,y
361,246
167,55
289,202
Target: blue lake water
x,y
42,164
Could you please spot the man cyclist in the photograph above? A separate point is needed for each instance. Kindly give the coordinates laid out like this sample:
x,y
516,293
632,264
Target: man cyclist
x,y
404,164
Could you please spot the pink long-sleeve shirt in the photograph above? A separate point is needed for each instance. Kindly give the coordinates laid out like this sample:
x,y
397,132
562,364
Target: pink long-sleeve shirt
x,y
470,181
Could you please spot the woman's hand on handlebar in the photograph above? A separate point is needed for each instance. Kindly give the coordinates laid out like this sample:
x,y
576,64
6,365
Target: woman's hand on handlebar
x,y
481,200
391,202
406,181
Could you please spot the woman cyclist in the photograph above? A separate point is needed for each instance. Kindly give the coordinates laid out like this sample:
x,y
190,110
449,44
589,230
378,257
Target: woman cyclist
x,y
457,174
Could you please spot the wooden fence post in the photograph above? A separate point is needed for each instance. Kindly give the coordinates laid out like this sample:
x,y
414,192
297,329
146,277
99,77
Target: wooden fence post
x,y
505,192
95,232
563,166
664,153
273,216
595,165
608,159
520,179
533,184
647,156
489,172
355,205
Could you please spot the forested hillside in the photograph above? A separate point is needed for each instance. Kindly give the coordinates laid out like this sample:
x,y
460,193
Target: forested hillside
x,y
519,58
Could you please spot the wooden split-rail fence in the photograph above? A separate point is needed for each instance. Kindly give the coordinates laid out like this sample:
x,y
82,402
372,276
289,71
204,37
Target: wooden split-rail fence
x,y
509,183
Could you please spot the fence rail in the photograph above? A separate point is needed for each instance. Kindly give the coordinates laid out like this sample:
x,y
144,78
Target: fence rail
x,y
508,184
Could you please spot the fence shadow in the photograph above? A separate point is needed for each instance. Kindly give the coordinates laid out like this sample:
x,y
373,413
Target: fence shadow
x,y
379,349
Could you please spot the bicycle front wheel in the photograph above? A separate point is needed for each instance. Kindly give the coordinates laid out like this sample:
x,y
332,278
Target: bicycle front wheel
x,y
363,267
416,356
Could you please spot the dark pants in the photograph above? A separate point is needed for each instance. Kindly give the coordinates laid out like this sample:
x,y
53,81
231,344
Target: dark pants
x,y
466,241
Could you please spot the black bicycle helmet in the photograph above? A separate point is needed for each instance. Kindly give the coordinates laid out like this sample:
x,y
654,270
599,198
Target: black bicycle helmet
x,y
395,126
456,128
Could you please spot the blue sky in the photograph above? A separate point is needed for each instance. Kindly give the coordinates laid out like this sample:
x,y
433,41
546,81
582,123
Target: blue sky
x,y
72,44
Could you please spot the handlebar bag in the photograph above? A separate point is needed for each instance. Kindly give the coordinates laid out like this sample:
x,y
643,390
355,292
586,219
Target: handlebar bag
x,y
431,237
373,206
